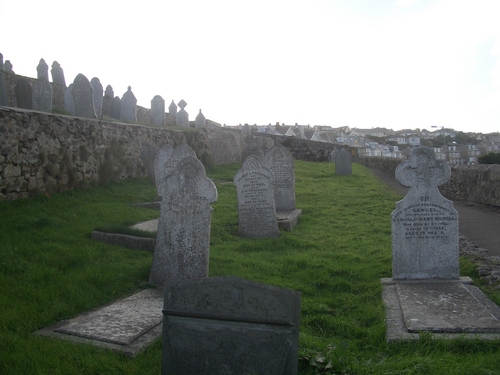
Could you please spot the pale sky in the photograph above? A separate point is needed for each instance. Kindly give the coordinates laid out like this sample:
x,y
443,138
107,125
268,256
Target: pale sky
x,y
362,63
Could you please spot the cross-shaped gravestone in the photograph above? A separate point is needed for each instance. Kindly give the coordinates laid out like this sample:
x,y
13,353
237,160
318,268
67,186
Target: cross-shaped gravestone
x,y
424,223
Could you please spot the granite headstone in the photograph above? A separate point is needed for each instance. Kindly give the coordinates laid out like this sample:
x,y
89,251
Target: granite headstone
x,y
162,156
229,325
24,94
158,111
343,162
172,109
42,95
42,71
69,101
148,155
116,108
200,120
182,117
83,97
256,209
183,238
129,106
256,145
424,223
57,74
280,161
97,95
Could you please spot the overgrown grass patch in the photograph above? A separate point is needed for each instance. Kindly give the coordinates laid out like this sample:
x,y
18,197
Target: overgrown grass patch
x,y
50,270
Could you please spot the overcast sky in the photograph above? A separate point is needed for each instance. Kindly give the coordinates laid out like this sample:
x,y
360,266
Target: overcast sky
x,y
362,63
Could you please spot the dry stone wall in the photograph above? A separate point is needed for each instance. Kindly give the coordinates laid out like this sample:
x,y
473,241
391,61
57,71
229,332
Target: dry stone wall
x,y
478,183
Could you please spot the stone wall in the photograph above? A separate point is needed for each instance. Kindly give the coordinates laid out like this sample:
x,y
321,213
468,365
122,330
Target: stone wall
x,y
478,183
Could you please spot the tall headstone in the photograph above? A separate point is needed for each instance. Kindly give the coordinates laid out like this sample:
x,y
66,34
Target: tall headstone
x,y
172,109
24,94
182,117
97,95
116,108
8,67
129,106
183,238
228,325
83,96
280,161
3,87
182,151
69,100
162,156
109,94
343,162
42,95
200,121
256,209
43,70
57,74
256,145
158,111
148,155
424,223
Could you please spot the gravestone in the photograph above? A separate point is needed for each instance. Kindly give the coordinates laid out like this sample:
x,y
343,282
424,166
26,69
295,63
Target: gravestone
x,y
116,108
280,161
256,145
343,162
158,111
109,92
162,156
3,87
148,155
97,95
24,94
183,238
42,70
246,129
42,95
333,155
57,74
172,109
182,117
129,106
69,101
229,325
424,223
106,101
200,121
83,97
8,66
256,209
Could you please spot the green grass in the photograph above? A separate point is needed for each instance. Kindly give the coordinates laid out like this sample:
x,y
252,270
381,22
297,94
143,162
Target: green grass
x,y
50,270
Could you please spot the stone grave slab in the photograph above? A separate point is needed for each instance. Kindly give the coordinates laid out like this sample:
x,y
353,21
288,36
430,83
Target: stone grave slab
x,y
127,325
228,325
287,220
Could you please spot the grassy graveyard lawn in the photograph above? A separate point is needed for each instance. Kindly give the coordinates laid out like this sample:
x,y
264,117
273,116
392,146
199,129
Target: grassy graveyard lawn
x,y
50,270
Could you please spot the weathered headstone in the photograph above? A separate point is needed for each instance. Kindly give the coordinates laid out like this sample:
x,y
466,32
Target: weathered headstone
x,y
182,117
256,145
246,129
69,100
228,325
8,67
183,238
43,70
83,96
333,155
256,209
106,101
109,92
162,156
42,95
343,162
424,223
200,120
57,74
280,161
182,151
148,155
3,87
129,106
158,111
172,109
116,108
97,95
24,94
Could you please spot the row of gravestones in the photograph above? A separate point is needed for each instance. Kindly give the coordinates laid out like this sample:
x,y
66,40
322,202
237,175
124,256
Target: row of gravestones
x,y
84,98
205,318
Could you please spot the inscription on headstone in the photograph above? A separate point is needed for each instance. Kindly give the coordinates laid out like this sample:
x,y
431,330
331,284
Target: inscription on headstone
x,y
83,97
343,162
228,325
256,209
129,106
424,223
42,95
183,238
97,95
182,117
24,94
158,111
280,161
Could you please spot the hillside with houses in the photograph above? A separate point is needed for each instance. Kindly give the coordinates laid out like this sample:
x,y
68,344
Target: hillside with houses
x,y
455,147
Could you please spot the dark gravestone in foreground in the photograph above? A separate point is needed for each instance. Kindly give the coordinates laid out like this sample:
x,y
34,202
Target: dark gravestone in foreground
x,y
228,325
83,95
343,162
